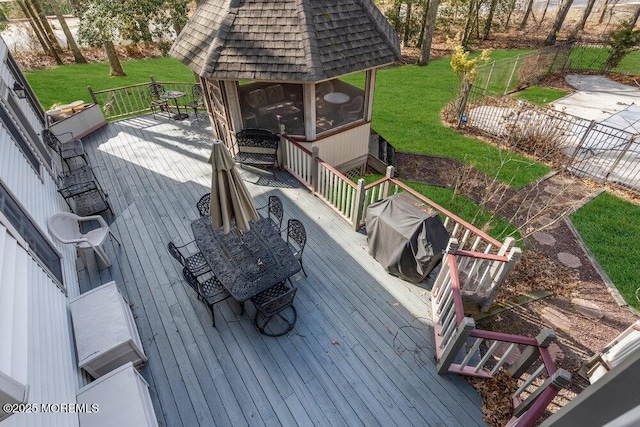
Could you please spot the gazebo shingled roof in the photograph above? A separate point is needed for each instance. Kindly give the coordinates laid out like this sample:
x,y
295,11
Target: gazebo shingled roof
x,y
287,40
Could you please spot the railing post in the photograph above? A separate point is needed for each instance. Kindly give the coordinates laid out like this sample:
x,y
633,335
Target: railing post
x,y
153,81
500,271
93,95
386,186
530,354
358,206
455,344
314,168
622,154
559,380
282,160
513,71
584,137
486,86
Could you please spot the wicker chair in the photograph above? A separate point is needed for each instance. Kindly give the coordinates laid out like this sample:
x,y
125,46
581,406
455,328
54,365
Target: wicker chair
x,y
297,240
210,290
203,205
275,313
192,260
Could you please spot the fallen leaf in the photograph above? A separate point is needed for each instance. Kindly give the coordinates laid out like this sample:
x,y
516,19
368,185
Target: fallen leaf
x,y
395,304
335,342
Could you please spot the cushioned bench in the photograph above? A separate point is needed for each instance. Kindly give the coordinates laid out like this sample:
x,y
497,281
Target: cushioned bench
x,y
257,147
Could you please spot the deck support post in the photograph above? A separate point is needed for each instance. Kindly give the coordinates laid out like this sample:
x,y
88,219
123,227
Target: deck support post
x,y
531,353
455,344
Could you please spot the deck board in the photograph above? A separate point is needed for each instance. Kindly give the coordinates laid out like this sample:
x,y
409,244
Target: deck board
x,y
360,354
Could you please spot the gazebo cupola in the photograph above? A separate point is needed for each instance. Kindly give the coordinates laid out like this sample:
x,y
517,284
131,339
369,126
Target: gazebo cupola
x,y
307,65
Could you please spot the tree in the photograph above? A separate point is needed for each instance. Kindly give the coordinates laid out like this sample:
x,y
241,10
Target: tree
x,y
583,21
48,31
525,17
427,39
622,40
36,24
635,17
560,17
77,55
99,26
489,21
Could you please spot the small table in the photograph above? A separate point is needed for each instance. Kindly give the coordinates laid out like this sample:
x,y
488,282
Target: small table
x,y
249,264
336,98
175,95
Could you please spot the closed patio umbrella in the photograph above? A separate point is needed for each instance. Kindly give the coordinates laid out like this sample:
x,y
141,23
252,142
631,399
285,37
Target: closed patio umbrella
x,y
230,199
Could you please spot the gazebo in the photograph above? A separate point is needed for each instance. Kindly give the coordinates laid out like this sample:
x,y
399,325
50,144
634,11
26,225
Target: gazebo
x,y
307,66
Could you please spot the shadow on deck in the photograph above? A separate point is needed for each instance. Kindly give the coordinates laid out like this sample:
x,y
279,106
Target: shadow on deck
x,y
361,352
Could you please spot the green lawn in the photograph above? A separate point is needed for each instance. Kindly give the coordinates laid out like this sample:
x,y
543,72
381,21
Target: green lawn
x,y
611,229
407,106
68,83
540,95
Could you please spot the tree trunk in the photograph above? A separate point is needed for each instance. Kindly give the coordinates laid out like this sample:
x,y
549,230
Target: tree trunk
x,y
527,12
36,22
489,21
512,7
77,55
635,17
407,25
470,25
604,11
544,12
37,7
425,50
33,25
583,21
115,67
562,14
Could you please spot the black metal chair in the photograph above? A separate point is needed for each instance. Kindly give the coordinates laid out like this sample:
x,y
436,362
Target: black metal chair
x,y
196,99
203,204
191,260
72,152
210,290
297,240
275,211
156,101
275,313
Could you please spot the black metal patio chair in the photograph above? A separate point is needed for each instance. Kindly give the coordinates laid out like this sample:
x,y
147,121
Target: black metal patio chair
x,y
203,204
275,211
297,240
196,99
209,290
156,101
275,313
192,260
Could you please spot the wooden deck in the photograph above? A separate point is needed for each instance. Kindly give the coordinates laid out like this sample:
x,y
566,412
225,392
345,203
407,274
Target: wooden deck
x,y
361,352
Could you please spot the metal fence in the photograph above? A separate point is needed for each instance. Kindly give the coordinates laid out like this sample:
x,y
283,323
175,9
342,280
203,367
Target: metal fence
x,y
508,75
127,101
583,147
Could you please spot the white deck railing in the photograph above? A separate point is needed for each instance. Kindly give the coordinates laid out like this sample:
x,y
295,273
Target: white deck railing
x,y
482,273
463,349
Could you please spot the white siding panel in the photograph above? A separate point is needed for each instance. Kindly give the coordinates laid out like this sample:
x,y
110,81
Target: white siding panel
x,y
38,197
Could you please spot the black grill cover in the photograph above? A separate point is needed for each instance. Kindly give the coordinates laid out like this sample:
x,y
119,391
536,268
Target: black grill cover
x,y
406,237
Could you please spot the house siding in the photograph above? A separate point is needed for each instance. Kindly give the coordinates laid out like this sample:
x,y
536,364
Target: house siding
x,y
34,317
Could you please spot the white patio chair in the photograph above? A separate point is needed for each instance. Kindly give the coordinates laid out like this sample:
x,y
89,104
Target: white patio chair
x,y
65,227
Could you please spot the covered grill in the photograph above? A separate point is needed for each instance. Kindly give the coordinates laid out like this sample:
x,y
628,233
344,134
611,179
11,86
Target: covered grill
x,y
407,238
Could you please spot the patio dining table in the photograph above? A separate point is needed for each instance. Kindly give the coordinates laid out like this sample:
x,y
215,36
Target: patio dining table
x,y
249,264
